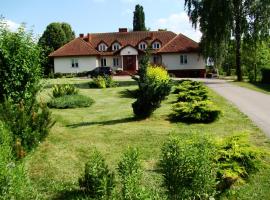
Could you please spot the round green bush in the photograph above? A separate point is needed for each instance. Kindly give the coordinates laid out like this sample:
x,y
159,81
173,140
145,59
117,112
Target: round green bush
x,y
71,101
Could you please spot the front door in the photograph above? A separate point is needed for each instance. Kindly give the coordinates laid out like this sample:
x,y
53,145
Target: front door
x,y
129,63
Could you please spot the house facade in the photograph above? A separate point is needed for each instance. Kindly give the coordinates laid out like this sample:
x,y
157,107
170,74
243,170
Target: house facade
x,y
122,51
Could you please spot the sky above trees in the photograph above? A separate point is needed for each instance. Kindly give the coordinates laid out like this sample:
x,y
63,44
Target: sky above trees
x,y
97,15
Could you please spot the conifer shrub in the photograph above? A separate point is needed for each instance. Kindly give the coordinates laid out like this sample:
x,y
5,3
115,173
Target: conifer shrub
x,y
154,85
105,81
98,182
63,90
14,183
187,167
130,172
70,101
29,123
195,111
237,159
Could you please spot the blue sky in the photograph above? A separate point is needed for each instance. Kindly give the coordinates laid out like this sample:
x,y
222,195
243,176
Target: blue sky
x,y
87,16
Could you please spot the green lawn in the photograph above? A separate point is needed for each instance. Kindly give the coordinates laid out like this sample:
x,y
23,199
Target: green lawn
x,y
108,125
260,87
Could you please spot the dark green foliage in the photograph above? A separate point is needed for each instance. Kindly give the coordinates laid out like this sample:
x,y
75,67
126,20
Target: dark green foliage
x,y
195,111
187,168
154,85
103,82
139,19
55,36
266,75
19,65
236,160
65,89
29,123
130,172
98,181
70,101
14,183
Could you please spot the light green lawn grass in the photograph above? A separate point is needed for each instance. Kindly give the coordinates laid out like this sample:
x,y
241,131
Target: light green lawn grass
x,y
108,125
259,87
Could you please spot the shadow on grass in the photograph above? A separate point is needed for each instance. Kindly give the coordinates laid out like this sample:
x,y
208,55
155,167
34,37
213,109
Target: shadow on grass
x,y
262,86
78,85
70,195
104,123
126,83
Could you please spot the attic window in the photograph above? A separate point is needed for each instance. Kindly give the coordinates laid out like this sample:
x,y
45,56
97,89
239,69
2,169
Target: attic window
x,y
142,46
115,46
156,45
102,47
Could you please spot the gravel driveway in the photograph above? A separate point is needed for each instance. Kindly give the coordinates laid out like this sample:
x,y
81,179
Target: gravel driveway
x,y
254,104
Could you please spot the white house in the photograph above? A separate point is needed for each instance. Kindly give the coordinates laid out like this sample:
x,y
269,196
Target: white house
x,y
122,50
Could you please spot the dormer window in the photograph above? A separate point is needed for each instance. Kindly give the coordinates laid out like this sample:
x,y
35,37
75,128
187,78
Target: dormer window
x,y
115,46
102,47
156,45
142,46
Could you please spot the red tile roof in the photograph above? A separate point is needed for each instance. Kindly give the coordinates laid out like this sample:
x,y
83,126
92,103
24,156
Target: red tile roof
x,y
180,44
88,45
76,47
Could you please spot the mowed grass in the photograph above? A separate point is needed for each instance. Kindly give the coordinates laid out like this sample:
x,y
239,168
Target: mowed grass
x,y
259,87
108,125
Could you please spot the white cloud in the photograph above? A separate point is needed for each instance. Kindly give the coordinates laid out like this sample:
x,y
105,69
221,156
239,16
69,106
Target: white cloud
x,y
179,23
13,26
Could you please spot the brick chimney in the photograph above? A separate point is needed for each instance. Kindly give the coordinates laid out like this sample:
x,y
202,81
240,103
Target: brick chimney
x,y
123,30
88,38
81,35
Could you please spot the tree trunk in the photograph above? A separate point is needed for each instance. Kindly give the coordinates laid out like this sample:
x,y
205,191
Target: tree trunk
x,y
237,16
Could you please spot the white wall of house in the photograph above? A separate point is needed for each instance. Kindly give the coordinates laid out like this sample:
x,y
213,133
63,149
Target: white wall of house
x,y
194,61
64,64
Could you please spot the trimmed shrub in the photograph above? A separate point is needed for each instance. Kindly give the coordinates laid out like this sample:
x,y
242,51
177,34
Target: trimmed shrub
x,y
65,89
195,111
192,95
187,85
154,85
103,82
130,172
14,183
98,181
29,123
265,75
236,160
187,168
70,101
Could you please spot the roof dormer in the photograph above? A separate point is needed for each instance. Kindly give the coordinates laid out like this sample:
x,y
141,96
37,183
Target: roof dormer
x,y
156,44
116,46
102,46
142,45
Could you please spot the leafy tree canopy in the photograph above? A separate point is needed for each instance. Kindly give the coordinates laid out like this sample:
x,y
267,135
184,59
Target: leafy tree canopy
x,y
219,20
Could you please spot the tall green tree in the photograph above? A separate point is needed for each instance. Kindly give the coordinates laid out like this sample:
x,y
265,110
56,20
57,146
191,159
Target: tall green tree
x,y
55,36
139,19
219,20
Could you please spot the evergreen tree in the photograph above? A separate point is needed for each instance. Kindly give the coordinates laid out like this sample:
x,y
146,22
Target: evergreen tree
x,y
220,19
139,19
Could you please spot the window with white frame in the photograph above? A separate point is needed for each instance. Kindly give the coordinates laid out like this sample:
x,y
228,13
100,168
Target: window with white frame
x,y
115,62
74,63
142,46
103,62
102,47
183,59
156,45
157,59
115,46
